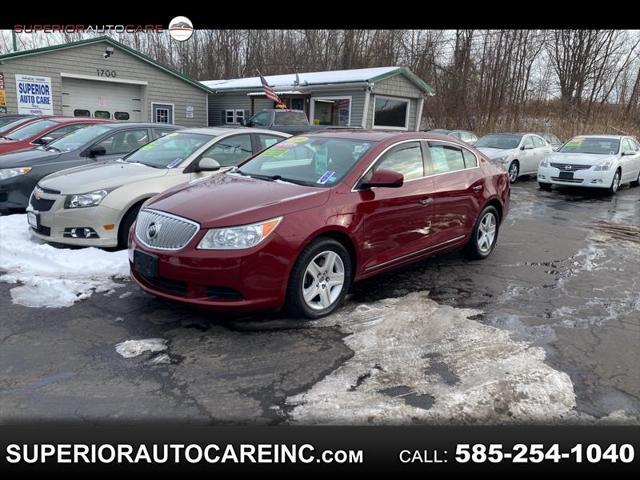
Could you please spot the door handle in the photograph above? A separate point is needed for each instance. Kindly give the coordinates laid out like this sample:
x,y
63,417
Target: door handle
x,y
426,201
477,188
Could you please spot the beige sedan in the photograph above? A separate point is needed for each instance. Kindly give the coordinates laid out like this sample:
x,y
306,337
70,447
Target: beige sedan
x,y
96,205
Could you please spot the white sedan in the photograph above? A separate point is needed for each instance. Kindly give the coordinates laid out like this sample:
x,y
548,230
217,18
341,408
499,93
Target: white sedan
x,y
600,161
518,153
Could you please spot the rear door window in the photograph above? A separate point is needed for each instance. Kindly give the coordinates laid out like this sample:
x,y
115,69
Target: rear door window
x,y
446,158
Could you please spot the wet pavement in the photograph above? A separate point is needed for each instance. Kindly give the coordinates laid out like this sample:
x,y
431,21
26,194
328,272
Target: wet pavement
x,y
545,330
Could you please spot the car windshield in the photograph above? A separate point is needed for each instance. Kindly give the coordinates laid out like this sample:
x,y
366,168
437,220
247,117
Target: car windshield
x,y
77,139
170,150
503,141
30,130
10,122
315,161
592,145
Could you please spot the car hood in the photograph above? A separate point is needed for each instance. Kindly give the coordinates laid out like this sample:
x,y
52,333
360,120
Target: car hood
x,y
494,153
104,176
224,200
579,158
27,158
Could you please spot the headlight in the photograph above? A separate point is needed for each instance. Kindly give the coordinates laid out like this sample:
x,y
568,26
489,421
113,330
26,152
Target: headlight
x,y
13,172
233,238
82,200
604,166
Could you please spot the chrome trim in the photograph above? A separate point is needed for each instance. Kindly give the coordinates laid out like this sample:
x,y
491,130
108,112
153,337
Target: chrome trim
x,y
373,162
417,252
174,217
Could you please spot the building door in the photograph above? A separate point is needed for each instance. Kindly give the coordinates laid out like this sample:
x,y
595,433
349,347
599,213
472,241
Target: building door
x,y
162,113
96,99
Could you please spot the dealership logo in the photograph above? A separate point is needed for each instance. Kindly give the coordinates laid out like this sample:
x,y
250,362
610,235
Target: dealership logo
x,y
181,29
152,230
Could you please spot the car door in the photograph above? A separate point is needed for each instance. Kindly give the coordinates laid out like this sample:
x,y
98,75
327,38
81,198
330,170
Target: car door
x,y
629,160
527,155
541,150
636,159
397,221
458,191
229,151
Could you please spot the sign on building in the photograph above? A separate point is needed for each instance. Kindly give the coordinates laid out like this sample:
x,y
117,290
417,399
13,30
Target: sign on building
x,y
189,111
34,95
3,95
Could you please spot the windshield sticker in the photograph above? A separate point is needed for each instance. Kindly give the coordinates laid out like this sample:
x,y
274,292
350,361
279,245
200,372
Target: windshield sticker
x,y
275,151
326,176
297,139
576,142
175,163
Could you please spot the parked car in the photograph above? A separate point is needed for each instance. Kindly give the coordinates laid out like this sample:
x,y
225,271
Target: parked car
x,y
298,223
43,131
552,140
97,204
11,122
464,135
518,153
288,121
599,161
21,171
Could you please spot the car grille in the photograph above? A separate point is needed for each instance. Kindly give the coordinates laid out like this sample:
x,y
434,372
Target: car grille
x,y
568,180
41,204
164,231
570,167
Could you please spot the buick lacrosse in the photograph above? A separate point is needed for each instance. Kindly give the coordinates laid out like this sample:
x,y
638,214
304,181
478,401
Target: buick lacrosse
x,y
297,224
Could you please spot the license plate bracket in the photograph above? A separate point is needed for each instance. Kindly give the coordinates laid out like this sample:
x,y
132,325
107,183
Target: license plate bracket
x,y
145,264
566,175
33,219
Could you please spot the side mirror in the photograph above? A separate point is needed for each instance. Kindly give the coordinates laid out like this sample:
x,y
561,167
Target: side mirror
x,y
43,140
384,178
97,151
208,164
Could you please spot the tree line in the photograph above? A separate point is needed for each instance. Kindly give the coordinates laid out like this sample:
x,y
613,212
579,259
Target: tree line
x,y
566,81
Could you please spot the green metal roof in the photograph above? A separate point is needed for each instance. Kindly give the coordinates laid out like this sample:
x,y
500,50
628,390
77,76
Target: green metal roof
x,y
111,41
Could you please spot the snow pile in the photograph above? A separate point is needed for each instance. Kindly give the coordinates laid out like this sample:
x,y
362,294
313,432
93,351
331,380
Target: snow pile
x,y
133,348
416,360
54,277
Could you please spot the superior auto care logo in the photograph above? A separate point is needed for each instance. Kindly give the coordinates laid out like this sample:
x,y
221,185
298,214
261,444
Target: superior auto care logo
x,y
94,29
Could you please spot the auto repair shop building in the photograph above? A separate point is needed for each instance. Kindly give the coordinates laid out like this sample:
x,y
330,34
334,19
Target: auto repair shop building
x,y
382,97
100,78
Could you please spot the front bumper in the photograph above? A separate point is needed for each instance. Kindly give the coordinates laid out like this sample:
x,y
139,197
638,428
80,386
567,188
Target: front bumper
x,y
581,178
231,280
55,219
15,191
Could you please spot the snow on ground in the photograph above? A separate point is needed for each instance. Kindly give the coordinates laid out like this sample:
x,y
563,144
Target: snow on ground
x,y
417,360
54,277
133,348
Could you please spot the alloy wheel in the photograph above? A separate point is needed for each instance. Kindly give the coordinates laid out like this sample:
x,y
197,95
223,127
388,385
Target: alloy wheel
x,y
486,232
615,184
323,280
513,172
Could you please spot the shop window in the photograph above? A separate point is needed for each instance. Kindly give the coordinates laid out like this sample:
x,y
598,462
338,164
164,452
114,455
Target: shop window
x,y
102,114
391,113
81,113
121,116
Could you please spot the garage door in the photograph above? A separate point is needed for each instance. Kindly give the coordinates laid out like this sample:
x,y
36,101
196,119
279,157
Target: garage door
x,y
90,98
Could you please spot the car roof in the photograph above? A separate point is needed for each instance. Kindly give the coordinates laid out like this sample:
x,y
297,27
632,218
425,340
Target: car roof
x,y
379,135
613,137
217,131
122,125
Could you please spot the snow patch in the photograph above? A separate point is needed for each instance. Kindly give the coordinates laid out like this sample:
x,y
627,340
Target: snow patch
x,y
442,366
54,277
133,348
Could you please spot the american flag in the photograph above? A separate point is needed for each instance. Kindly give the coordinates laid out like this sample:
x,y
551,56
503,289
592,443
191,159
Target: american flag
x,y
268,90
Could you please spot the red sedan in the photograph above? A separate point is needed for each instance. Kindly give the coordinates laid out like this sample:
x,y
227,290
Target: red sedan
x,y
298,223
42,131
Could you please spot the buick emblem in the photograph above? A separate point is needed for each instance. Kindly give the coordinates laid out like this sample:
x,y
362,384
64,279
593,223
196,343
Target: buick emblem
x,y
152,230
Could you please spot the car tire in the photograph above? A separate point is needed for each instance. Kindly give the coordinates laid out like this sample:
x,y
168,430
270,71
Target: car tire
x,y
544,186
312,274
514,171
125,225
485,230
615,183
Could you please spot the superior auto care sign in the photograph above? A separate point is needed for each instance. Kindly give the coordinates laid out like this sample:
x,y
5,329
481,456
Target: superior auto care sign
x,y
34,95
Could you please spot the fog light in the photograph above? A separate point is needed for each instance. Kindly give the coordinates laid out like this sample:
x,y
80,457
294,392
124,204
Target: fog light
x,y
80,232
542,176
